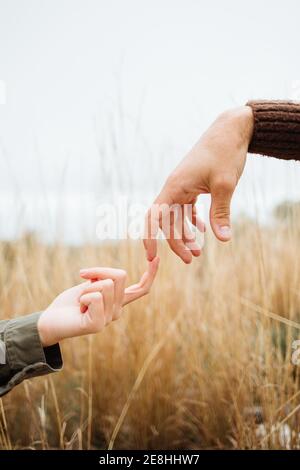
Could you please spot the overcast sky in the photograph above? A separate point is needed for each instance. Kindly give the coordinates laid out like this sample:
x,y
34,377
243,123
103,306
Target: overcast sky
x,y
107,96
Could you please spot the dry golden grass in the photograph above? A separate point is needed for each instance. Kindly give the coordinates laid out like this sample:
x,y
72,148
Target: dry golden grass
x,y
185,368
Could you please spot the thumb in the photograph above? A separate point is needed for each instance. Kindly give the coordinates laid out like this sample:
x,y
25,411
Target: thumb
x,y
221,195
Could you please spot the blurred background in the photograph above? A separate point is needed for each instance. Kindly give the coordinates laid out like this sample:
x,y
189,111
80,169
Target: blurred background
x,y
103,98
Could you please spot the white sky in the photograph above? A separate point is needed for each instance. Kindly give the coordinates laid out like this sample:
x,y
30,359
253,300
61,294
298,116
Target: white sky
x,y
107,96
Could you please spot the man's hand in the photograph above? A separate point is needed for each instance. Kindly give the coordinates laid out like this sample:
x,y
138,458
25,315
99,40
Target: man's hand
x,y
214,165
89,307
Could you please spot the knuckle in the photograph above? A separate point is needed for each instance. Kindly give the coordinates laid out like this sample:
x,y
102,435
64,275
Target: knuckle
x,y
98,297
221,211
108,283
82,294
122,274
224,183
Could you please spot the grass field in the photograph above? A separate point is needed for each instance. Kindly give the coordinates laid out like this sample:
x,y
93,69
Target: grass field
x,y
203,362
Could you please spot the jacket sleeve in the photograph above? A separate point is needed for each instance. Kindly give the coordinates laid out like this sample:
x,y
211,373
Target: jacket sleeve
x,y
276,129
22,355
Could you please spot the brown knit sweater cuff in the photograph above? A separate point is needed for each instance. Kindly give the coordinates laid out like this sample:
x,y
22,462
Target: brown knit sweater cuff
x,y
276,129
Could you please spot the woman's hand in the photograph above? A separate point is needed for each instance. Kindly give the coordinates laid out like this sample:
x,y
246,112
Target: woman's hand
x,y
89,307
214,165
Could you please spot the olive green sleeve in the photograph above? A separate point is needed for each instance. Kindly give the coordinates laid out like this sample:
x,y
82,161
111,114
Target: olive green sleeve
x,y
22,355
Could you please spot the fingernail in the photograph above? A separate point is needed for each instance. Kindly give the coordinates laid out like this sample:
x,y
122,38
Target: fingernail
x,y
225,231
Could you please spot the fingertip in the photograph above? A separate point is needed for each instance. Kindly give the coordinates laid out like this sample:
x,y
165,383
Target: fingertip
x,y
151,248
151,254
187,258
222,239
196,253
84,274
223,233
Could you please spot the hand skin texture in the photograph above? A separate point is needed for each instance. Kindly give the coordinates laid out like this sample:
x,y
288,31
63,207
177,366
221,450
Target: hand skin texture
x,y
89,307
214,165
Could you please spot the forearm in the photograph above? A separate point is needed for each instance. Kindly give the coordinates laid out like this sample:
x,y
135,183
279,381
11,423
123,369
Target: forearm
x,y
276,129
22,354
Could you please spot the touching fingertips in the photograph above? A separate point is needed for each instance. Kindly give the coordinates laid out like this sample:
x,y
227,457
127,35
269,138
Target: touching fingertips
x,y
150,257
155,262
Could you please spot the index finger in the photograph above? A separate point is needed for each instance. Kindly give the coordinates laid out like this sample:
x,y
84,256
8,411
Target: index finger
x,y
136,291
150,231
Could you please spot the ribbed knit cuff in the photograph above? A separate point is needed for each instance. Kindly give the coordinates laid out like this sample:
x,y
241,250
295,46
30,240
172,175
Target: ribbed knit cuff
x,y
276,129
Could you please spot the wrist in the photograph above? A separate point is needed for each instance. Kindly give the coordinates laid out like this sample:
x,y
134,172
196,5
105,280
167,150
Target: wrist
x,y
247,123
241,120
46,337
